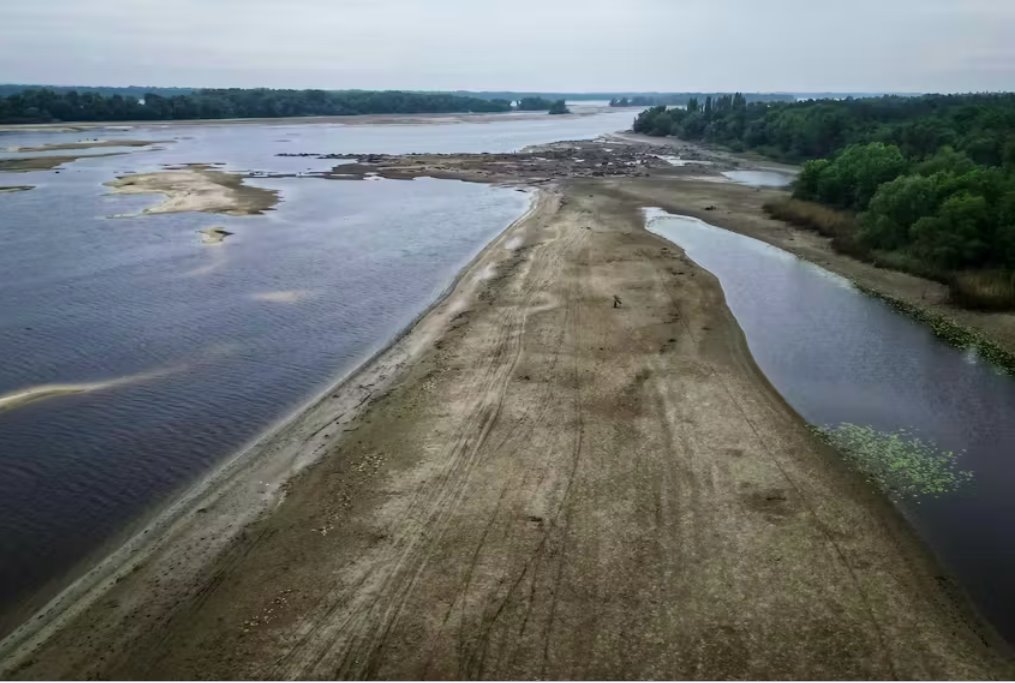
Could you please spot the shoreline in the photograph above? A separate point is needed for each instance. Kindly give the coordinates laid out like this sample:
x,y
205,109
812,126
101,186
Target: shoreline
x,y
551,242
351,119
277,441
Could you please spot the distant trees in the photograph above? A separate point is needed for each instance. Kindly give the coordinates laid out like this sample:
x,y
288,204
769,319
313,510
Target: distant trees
x,y
634,101
559,107
45,105
534,104
685,99
977,125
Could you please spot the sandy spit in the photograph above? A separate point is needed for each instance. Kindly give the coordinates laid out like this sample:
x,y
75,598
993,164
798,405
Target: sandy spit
x,y
197,187
531,483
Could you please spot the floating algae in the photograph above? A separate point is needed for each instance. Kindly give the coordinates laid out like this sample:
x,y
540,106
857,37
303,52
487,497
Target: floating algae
x,y
899,463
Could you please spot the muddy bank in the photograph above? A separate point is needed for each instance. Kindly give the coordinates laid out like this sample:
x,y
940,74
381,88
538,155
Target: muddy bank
x,y
88,144
534,482
198,187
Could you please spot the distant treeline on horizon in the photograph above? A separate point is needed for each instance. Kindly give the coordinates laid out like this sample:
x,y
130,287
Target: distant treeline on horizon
x,y
656,97
21,103
47,105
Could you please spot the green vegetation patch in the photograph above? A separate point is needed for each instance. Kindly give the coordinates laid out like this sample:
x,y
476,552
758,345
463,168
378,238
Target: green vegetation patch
x,y
899,463
929,181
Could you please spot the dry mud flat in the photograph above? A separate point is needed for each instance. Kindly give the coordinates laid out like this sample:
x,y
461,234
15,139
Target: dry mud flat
x,y
534,483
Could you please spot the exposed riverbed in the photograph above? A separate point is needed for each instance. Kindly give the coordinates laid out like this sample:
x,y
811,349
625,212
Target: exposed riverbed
x,y
138,355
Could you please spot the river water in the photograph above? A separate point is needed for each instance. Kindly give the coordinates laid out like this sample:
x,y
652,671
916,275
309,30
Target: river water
x,y
837,355
189,351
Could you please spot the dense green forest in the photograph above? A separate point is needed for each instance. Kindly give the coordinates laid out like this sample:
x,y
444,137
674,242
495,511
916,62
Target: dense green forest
x,y
925,184
40,106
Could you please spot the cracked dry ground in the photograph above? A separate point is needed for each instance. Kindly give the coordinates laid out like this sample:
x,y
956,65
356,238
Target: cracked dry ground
x,y
564,489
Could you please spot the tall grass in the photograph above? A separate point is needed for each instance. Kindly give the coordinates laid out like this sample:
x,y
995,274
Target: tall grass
x,y
840,226
989,290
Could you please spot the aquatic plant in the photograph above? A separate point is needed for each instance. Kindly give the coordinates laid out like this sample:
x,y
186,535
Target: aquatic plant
x,y
899,463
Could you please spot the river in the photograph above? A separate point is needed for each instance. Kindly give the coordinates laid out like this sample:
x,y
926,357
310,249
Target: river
x,y
837,355
182,352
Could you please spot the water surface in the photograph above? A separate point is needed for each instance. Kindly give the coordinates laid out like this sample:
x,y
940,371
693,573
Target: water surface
x,y
837,355
760,178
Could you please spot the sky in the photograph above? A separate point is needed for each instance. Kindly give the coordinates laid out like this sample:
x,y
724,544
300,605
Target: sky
x,y
533,45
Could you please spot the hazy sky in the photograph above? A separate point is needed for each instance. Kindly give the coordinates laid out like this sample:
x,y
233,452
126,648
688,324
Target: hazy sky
x,y
568,45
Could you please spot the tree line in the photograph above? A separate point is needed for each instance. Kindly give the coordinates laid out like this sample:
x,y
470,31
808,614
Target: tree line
x,y
48,105
127,91
930,180
683,99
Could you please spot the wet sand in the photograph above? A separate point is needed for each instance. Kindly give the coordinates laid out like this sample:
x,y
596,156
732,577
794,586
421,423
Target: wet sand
x,y
533,483
197,187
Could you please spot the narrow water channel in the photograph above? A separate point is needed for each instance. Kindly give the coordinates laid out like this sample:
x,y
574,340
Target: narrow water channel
x,y
837,355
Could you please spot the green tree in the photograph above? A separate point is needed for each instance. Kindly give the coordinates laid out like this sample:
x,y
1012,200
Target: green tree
x,y
895,207
957,237
559,107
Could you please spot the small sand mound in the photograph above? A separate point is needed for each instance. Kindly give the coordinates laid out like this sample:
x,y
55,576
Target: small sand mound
x,y
214,235
286,296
